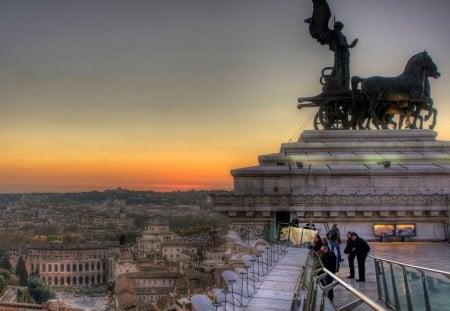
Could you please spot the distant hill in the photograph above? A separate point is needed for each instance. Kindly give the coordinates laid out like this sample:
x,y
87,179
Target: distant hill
x,y
193,197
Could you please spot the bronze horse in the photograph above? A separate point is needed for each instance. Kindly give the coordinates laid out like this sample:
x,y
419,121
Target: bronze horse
x,y
407,95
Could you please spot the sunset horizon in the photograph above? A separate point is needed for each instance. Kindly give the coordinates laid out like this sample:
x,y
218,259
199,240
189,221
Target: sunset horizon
x,y
166,97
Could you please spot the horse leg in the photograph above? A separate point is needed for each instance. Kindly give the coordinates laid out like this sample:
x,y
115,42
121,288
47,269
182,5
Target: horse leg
x,y
374,112
433,124
401,119
389,120
382,116
364,121
415,110
429,108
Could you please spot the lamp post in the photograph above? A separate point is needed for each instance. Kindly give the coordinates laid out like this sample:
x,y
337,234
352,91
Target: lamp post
x,y
253,272
242,273
231,282
257,257
225,293
216,305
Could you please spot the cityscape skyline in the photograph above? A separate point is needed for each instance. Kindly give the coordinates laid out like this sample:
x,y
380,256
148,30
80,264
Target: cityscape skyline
x,y
173,95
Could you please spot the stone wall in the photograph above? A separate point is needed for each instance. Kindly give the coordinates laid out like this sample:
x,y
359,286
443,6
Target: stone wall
x,y
353,178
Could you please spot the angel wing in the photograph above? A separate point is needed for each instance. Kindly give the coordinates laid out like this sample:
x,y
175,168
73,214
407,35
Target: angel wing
x,y
318,23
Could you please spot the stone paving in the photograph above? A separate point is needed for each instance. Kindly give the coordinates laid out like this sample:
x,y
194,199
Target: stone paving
x,y
276,290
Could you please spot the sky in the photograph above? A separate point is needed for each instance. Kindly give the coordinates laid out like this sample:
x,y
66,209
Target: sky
x,y
172,94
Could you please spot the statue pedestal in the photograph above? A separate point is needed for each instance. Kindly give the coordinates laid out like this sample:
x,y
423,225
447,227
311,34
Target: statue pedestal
x,y
357,179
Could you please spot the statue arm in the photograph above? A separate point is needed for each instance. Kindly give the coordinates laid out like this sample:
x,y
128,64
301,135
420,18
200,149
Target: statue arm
x,y
342,41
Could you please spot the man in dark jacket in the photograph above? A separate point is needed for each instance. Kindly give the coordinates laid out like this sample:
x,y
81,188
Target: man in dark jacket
x,y
329,261
361,249
350,254
294,222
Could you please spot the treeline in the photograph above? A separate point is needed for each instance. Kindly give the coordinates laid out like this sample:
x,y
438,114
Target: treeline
x,y
191,197
31,288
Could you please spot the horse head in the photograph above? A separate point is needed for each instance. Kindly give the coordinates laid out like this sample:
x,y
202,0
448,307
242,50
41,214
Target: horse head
x,y
422,66
429,66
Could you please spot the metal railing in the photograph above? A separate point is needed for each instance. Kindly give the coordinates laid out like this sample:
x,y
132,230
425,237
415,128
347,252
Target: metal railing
x,y
239,285
316,283
409,287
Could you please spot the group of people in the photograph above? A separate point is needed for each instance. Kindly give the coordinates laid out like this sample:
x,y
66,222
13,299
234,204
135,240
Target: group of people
x,y
329,249
296,223
355,247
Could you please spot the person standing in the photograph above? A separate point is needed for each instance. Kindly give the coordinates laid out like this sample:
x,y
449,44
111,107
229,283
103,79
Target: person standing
x,y
361,249
334,235
294,222
317,243
350,255
329,261
310,225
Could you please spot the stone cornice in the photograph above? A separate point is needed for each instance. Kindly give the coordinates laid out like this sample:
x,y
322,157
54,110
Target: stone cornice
x,y
333,199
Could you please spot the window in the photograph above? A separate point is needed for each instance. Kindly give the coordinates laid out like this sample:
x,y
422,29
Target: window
x,y
383,230
405,230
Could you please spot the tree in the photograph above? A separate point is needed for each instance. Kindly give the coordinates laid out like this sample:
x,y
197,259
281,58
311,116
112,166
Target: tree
x,y
5,264
40,291
21,272
3,284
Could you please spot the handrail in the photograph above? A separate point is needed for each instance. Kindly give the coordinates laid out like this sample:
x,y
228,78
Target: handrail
x,y
314,272
364,298
412,266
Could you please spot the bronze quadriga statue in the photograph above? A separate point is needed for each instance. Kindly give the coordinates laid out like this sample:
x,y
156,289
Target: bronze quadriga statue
x,y
387,102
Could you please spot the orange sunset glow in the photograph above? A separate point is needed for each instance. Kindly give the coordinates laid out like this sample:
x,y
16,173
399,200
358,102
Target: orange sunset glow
x,y
156,96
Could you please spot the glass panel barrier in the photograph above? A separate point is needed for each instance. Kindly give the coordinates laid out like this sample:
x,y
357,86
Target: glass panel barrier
x,y
415,284
408,287
387,279
380,278
438,291
400,295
